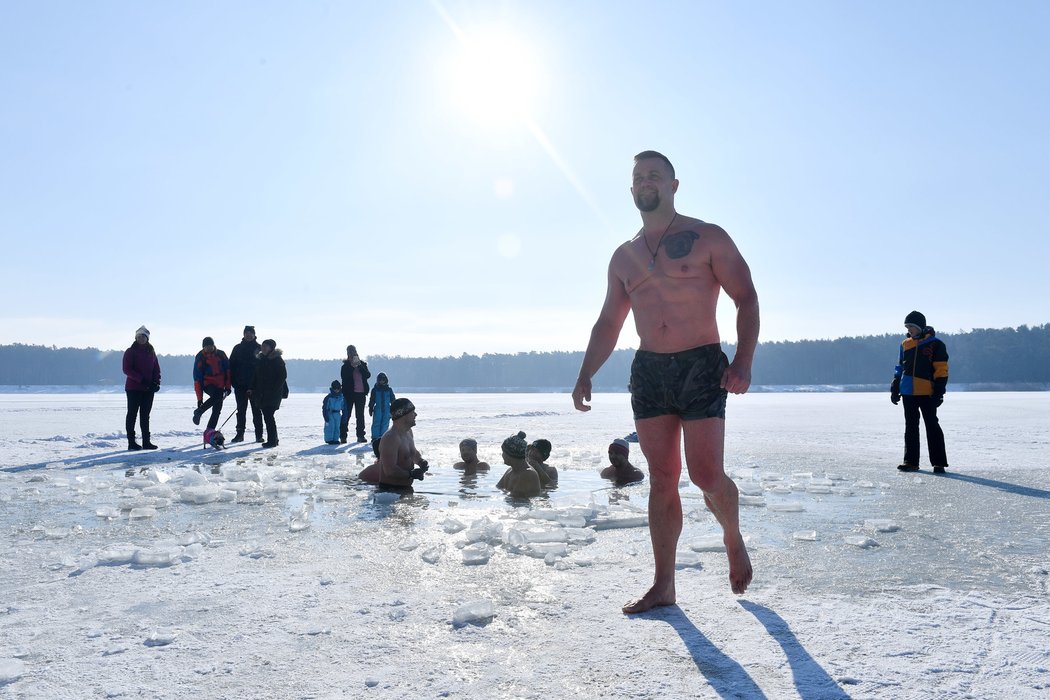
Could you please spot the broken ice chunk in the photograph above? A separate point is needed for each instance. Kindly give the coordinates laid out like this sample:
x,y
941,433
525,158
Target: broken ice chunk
x,y
477,553
477,612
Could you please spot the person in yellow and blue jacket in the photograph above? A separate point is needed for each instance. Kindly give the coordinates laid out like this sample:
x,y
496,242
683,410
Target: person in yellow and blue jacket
x,y
921,379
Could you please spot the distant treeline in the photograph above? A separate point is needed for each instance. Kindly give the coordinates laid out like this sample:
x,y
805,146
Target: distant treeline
x,y
999,356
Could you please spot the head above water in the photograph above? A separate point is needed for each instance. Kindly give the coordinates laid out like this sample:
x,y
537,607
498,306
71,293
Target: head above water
x,y
468,448
516,446
543,447
620,446
401,408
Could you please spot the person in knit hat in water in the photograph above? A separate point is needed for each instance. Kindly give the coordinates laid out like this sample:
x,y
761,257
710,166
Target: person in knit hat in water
x,y
521,480
621,470
399,461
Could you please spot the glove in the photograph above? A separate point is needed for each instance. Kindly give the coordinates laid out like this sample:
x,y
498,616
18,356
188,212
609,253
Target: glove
x,y
227,392
938,399
895,398
895,391
418,473
424,465
199,403
155,388
371,410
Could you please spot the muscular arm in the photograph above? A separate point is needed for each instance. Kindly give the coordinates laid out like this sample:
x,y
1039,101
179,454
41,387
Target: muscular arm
x,y
604,334
734,276
544,477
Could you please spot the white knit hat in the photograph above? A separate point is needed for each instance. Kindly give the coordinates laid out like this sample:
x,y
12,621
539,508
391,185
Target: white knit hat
x,y
142,331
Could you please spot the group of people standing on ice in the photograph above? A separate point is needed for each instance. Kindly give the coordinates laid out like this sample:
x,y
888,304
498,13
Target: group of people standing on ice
x,y
348,397
256,374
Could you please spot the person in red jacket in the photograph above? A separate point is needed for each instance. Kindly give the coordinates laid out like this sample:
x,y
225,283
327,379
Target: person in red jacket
x,y
143,381
211,376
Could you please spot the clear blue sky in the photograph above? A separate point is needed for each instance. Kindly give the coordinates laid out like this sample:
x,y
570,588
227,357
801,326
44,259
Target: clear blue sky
x,y
332,173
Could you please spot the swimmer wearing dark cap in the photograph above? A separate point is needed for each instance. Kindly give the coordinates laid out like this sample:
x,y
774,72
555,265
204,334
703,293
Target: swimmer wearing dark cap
x,y
399,461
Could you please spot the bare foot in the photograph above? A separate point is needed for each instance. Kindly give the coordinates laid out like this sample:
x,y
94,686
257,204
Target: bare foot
x,y
652,599
739,565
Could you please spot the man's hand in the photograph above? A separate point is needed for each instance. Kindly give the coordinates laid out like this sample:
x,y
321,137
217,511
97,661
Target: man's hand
x,y
371,411
418,473
199,403
227,392
895,398
736,380
938,399
581,393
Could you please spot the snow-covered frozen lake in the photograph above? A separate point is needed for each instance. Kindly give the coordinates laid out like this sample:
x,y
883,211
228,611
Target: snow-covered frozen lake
x,y
274,572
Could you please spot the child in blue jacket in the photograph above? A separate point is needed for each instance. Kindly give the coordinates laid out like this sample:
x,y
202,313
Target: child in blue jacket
x,y
331,410
379,406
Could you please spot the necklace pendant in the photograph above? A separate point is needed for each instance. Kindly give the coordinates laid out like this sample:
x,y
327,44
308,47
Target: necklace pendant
x,y
652,263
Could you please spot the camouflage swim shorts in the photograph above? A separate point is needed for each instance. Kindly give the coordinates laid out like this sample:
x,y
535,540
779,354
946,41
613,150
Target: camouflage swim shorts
x,y
684,384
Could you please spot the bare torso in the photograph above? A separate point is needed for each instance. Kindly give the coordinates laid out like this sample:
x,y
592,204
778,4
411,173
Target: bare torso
x,y
673,303
395,457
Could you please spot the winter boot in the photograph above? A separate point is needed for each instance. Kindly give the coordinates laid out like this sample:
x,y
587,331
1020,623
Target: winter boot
x,y
938,469
197,416
908,467
132,445
239,437
146,444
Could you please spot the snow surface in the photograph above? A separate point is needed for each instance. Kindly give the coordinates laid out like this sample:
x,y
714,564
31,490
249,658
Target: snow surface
x,y
274,573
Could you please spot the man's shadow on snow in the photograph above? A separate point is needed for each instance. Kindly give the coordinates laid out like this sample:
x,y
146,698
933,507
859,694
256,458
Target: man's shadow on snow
x,y
811,680
725,676
1001,485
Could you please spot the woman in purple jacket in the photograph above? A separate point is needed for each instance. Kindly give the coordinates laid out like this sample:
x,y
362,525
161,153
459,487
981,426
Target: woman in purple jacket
x,y
143,380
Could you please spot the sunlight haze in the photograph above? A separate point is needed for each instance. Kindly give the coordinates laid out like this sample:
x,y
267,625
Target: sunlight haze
x,y
426,178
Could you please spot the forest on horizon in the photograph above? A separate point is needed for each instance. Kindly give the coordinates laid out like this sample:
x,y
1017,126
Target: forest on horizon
x,y
1016,358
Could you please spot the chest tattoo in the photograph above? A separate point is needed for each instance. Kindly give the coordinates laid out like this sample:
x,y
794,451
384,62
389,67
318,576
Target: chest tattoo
x,y
678,245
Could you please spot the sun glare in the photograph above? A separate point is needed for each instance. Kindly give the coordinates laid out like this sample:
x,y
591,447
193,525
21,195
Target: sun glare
x,y
495,78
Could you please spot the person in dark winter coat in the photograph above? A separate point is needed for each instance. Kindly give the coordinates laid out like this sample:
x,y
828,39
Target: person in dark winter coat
x,y
269,386
379,406
354,374
211,376
143,381
332,411
921,379
242,371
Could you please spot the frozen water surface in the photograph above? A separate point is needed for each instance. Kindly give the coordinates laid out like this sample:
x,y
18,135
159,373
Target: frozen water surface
x,y
276,571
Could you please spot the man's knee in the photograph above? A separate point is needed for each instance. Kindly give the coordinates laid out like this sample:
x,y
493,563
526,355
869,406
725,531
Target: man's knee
x,y
709,477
